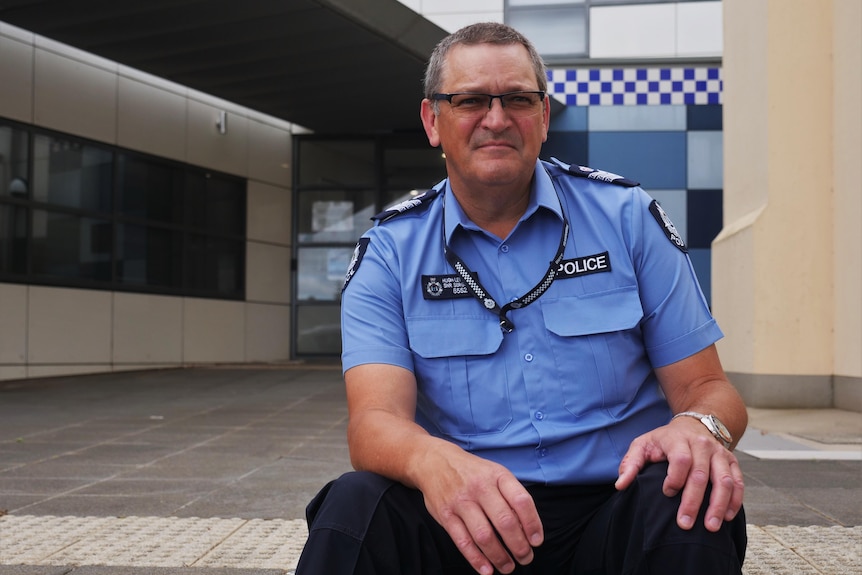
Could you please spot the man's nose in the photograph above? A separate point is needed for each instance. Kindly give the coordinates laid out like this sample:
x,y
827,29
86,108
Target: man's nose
x,y
498,111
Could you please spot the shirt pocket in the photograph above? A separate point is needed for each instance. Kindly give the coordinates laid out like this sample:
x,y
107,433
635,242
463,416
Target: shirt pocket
x,y
598,348
463,391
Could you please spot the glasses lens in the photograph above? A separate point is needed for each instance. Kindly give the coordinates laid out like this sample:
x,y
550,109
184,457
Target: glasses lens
x,y
521,103
470,104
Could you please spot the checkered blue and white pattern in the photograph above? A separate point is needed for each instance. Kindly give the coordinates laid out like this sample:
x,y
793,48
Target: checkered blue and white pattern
x,y
636,86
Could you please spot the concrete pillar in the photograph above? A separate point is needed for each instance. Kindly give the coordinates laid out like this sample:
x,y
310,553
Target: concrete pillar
x,y
787,265
847,168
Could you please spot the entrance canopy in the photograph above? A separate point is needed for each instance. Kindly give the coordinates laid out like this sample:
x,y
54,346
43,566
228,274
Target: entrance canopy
x,y
329,65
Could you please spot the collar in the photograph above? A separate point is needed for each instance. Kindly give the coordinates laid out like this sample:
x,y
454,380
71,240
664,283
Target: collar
x,y
542,195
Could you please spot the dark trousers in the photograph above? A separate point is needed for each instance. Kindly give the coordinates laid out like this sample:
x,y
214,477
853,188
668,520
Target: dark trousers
x,y
365,524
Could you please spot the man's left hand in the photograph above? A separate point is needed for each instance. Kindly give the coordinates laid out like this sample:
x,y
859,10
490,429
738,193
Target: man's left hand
x,y
695,459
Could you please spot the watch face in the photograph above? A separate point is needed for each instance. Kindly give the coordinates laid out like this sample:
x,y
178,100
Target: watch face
x,y
720,429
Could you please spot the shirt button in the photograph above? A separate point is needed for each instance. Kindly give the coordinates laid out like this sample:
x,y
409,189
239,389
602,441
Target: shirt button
x,y
543,452
528,357
540,415
504,248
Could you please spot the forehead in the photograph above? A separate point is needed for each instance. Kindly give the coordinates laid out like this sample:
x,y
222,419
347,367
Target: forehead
x,y
489,64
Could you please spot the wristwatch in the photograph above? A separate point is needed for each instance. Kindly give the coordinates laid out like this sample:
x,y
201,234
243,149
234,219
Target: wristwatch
x,y
713,424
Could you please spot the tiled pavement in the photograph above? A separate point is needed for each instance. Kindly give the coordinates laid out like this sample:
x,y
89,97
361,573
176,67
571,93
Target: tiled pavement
x,y
207,472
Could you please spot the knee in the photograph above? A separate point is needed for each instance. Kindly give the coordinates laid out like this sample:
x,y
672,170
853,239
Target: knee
x,y
359,486
352,498
651,478
645,502
659,513
649,484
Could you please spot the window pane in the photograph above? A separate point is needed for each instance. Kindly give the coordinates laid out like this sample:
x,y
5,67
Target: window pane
x,y
149,189
13,239
225,205
215,203
409,168
318,330
66,245
14,154
320,273
70,173
215,266
194,200
337,163
554,31
149,256
338,216
173,227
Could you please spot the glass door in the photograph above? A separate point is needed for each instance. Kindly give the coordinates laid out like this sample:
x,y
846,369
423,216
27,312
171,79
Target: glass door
x,y
340,183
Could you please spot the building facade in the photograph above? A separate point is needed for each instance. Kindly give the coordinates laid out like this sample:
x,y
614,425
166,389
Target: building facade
x,y
146,222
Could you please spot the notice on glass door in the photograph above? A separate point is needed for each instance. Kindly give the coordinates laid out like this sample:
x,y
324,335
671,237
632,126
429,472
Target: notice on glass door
x,y
332,216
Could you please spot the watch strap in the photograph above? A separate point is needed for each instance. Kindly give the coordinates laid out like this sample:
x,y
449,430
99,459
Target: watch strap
x,y
712,423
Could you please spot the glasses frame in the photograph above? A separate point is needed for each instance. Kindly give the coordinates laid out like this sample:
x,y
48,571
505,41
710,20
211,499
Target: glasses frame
x,y
437,97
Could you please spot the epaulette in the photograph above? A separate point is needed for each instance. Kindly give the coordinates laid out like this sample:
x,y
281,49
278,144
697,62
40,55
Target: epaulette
x,y
591,174
407,205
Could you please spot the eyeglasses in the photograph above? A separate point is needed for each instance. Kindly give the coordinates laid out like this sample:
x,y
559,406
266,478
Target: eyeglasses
x,y
471,104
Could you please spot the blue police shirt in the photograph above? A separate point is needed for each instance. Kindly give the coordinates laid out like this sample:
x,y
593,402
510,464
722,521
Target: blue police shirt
x,y
559,399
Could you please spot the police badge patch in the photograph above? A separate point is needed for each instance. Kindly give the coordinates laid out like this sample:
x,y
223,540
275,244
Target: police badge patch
x,y
449,286
669,229
358,254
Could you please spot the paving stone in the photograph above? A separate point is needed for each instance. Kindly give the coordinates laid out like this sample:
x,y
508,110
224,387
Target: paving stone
x,y
208,471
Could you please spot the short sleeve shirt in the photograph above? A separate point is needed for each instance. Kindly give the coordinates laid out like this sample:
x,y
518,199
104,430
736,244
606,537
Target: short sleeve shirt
x,y
559,399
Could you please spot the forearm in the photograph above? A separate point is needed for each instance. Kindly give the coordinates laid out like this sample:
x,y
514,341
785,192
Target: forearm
x,y
393,446
699,384
383,436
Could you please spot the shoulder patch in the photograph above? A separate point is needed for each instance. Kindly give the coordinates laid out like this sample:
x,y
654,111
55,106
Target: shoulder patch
x,y
667,226
421,200
358,254
591,174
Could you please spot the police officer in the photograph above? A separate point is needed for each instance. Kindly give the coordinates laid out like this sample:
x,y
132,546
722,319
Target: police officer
x,y
531,373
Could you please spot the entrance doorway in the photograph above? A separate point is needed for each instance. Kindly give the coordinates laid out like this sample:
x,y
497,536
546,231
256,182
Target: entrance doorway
x,y
339,183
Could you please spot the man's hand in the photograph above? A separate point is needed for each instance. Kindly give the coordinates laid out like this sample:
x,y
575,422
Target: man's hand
x,y
488,514
481,505
695,458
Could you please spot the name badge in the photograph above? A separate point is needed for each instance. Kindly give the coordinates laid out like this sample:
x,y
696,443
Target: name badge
x,y
445,287
583,266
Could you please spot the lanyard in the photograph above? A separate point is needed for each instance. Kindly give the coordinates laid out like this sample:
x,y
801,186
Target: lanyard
x,y
481,294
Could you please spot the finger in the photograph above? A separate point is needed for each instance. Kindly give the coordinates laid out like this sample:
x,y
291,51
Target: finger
x,y
632,463
723,485
483,536
466,543
738,490
696,482
526,530
679,465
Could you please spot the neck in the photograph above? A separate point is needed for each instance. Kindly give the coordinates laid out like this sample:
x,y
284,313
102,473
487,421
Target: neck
x,y
496,213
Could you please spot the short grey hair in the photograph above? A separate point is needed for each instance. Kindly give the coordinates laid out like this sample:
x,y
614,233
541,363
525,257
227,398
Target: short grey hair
x,y
482,33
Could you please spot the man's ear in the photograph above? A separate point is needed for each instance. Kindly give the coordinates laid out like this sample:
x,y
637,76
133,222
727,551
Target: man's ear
x,y
429,122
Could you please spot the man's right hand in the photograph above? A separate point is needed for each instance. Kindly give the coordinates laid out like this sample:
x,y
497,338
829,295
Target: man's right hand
x,y
489,515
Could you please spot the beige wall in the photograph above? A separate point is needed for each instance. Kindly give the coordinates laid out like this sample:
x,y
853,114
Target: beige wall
x,y
52,331
847,168
787,265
